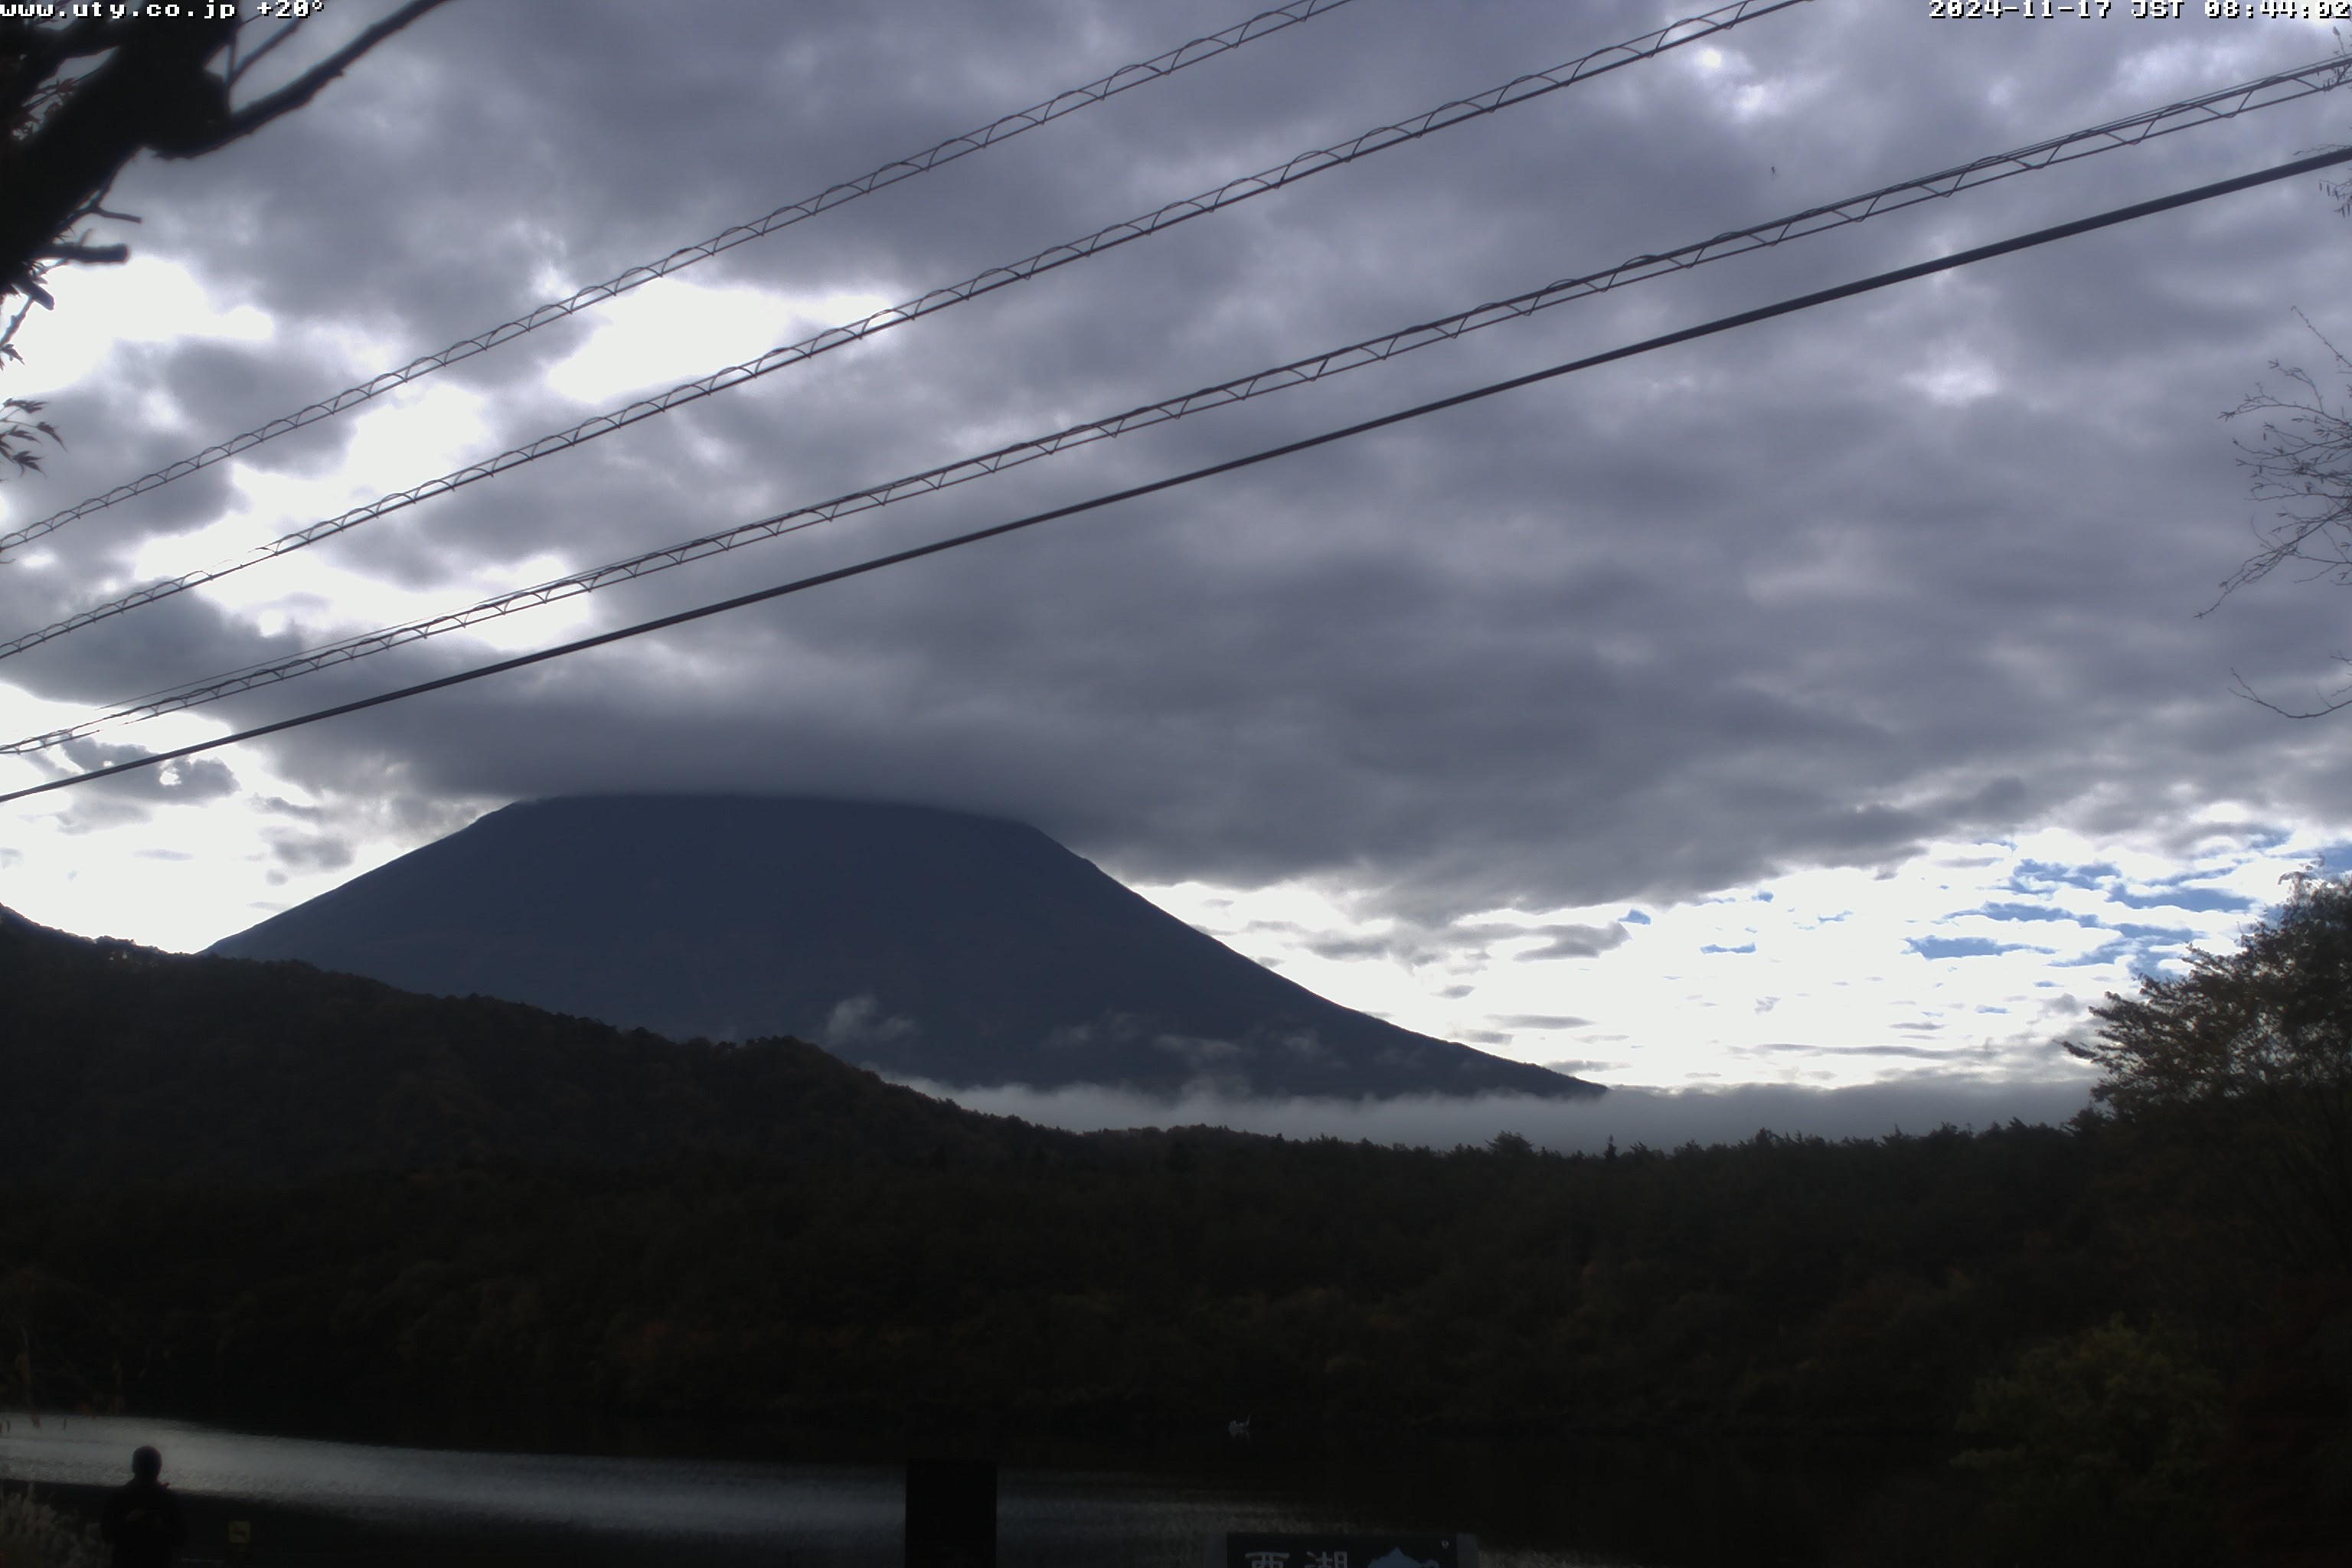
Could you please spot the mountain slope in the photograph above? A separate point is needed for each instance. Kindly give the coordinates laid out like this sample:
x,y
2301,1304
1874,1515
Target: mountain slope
x,y
924,943
123,1065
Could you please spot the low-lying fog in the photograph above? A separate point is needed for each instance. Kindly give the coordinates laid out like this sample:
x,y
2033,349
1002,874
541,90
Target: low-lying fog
x,y
1660,1118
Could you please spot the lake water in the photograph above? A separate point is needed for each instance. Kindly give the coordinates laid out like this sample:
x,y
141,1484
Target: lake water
x,y
313,1502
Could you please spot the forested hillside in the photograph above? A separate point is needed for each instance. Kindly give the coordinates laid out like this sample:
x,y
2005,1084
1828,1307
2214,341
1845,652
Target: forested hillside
x,y
255,1189
125,1065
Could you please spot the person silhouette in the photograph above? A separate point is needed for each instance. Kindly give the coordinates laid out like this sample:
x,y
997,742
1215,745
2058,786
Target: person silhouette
x,y
142,1520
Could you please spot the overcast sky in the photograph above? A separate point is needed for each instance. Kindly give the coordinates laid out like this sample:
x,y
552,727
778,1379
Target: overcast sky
x,y
1824,702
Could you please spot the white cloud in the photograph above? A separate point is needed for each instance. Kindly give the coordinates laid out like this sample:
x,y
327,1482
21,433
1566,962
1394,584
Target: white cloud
x,y
1970,960
675,331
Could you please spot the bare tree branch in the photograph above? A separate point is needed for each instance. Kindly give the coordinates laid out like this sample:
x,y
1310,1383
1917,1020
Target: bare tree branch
x,y
35,53
13,322
154,92
66,133
73,251
2302,464
299,92
2335,705
238,67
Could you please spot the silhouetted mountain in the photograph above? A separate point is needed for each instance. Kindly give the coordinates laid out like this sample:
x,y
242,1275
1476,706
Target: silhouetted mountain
x,y
924,943
123,1065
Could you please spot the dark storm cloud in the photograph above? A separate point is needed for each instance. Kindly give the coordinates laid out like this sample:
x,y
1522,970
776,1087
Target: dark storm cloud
x,y
1573,941
188,780
1343,949
1475,940
308,852
1819,592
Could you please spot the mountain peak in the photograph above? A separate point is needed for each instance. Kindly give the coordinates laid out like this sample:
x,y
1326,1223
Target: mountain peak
x,y
924,943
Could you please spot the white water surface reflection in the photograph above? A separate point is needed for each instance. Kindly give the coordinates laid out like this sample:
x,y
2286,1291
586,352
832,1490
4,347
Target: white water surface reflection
x,y
673,1511
669,1497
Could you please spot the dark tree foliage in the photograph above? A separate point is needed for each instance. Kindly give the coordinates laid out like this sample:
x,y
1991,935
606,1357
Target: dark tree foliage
x,y
2231,1093
2285,1471
2095,1445
2249,1058
61,1344
125,1065
1768,1288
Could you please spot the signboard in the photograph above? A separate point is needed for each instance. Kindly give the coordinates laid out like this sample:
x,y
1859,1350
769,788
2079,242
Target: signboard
x,y
1254,1550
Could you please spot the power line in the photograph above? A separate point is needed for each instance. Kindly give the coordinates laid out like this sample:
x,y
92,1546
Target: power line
x,y
1720,324
1518,91
2209,109
1136,75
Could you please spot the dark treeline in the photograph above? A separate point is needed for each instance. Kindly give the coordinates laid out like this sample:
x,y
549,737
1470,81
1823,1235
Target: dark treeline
x,y
2131,1338
1767,1286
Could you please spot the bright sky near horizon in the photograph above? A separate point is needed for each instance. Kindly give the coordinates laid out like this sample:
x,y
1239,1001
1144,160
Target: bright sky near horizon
x,y
1826,703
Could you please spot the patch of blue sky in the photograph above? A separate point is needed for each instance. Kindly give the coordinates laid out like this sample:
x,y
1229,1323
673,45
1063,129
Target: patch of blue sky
x,y
1965,946
2175,896
1634,917
2110,952
2140,949
2024,912
1716,947
2040,876
2176,936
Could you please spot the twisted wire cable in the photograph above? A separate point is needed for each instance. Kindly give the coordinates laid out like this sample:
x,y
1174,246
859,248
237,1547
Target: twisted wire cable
x,y
2332,158
1518,91
2211,108
890,174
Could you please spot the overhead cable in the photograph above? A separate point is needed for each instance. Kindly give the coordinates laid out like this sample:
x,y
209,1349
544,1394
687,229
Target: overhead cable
x,y
1518,91
2280,88
1709,329
890,174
